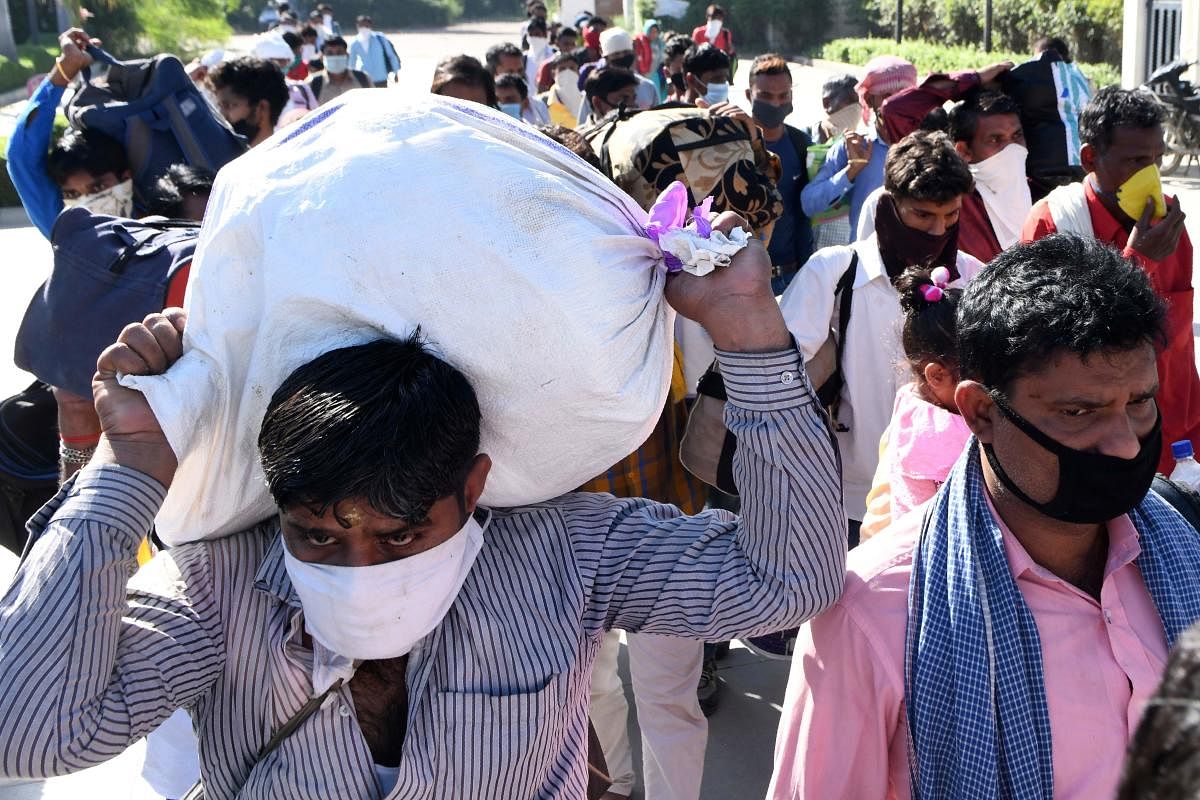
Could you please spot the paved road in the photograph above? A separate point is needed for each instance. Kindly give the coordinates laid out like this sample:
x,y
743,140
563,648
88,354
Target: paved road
x,y
741,735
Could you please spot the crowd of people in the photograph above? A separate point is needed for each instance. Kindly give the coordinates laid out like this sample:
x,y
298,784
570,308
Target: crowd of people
x,y
959,353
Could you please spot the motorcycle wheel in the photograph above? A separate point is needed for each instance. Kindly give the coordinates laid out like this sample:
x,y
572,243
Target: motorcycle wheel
x,y
1178,131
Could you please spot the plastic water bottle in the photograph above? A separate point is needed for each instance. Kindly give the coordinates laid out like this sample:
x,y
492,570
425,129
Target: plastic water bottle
x,y
1186,471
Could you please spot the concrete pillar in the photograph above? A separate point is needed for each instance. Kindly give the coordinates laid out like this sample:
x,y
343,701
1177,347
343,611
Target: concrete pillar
x,y
1133,55
1189,39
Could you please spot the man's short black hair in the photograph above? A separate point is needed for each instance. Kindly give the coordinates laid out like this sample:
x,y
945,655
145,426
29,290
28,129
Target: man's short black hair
x,y
92,152
537,24
1053,43
361,18
510,81
253,79
1114,107
308,32
466,70
840,87
563,58
498,51
925,166
1062,293
714,10
676,46
566,31
387,421
601,21
180,182
334,41
293,40
705,58
965,116
603,82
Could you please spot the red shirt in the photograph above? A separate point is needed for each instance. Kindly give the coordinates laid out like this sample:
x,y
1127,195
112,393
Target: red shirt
x,y
724,40
1179,392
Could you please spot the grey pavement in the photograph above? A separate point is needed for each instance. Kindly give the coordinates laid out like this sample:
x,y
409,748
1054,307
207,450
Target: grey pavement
x,y
741,733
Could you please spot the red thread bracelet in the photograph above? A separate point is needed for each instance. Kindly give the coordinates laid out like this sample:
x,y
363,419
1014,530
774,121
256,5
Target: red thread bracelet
x,y
89,439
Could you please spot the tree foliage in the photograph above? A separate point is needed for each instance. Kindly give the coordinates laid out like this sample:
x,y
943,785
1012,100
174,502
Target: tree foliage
x,y
1091,27
130,28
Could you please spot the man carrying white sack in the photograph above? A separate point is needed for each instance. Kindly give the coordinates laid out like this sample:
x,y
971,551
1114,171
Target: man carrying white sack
x,y
448,647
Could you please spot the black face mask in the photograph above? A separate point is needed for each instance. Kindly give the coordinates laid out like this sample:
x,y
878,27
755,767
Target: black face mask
x,y
769,115
246,128
622,62
1092,487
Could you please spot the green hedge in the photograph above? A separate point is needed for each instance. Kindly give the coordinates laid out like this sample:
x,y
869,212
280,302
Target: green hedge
x,y
930,57
8,192
32,60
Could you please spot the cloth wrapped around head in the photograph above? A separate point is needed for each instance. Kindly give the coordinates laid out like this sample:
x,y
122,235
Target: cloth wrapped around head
x,y
885,75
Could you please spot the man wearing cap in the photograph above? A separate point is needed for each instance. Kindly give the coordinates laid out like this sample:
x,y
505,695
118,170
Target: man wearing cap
x,y
616,48
373,53
854,167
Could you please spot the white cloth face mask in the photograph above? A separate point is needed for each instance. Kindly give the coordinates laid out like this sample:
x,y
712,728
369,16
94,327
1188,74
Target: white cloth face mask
x,y
1001,182
846,118
713,29
115,201
364,35
537,45
308,52
382,611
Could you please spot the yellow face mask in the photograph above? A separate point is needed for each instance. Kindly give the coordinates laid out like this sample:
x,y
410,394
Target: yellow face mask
x,y
1144,185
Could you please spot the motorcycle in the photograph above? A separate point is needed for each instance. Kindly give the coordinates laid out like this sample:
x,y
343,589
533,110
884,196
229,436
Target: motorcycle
x,y
1182,124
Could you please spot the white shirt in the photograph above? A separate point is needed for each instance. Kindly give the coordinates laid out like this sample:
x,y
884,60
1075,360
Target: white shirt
x,y
873,362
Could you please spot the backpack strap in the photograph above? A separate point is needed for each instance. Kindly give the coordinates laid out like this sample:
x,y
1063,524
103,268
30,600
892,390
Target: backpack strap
x,y
364,80
845,294
286,730
1179,497
315,86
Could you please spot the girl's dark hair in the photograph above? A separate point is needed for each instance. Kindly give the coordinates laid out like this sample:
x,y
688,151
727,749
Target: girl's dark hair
x,y
929,329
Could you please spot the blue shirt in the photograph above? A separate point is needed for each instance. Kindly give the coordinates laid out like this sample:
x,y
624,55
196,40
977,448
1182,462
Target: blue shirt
x,y
377,58
28,148
792,239
832,182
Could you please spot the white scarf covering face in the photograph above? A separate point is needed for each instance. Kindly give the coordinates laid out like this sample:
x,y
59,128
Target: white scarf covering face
x,y
115,201
1001,182
381,611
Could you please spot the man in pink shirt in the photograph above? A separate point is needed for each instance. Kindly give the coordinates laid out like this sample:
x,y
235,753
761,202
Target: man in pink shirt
x,y
1001,641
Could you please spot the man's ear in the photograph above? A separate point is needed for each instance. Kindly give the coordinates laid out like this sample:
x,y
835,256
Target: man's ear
x,y
476,480
963,150
263,110
749,95
1087,157
976,407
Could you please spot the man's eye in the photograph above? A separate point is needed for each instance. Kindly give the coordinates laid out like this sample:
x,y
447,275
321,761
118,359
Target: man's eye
x,y
1076,412
318,539
401,539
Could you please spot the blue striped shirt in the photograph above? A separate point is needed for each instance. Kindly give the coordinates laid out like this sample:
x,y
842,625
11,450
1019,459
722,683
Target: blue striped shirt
x,y
498,693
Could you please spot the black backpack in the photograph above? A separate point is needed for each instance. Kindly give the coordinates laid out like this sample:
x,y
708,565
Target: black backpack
x,y
152,108
108,272
28,460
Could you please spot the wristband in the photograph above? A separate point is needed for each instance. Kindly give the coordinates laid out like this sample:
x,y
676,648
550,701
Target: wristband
x,y
859,161
89,440
71,455
61,71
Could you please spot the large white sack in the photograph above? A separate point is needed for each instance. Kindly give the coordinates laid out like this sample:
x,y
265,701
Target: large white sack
x,y
526,267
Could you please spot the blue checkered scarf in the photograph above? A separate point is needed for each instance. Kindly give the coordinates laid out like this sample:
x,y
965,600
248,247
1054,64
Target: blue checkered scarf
x,y
975,696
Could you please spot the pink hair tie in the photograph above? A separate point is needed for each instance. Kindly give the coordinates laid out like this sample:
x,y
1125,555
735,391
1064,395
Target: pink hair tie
x,y
940,277
932,293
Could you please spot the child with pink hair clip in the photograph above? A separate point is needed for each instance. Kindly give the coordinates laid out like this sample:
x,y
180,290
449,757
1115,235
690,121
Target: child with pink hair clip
x,y
926,433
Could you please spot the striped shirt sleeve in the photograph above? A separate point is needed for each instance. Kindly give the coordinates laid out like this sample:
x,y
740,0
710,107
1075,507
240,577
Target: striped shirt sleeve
x,y
92,661
651,568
